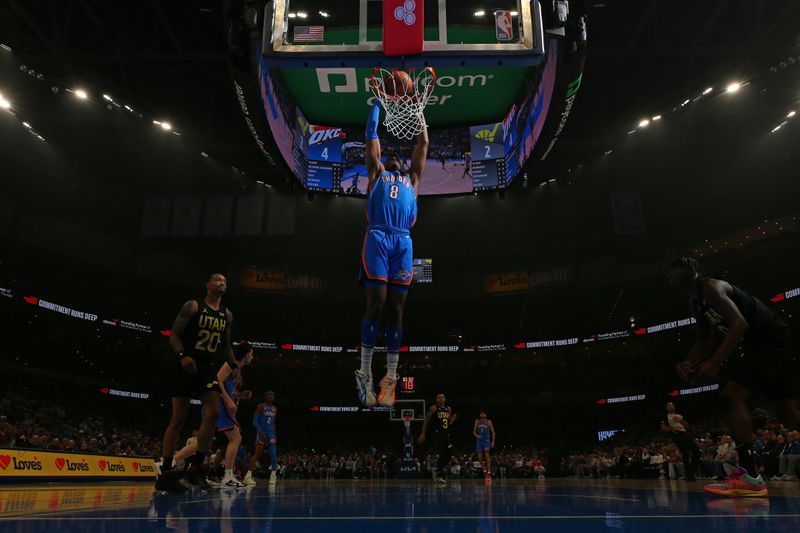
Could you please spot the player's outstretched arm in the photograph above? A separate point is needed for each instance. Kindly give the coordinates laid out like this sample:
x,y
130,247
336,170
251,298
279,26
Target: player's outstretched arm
x,y
419,157
373,145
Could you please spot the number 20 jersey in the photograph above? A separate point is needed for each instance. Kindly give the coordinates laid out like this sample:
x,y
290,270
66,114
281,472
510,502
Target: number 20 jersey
x,y
205,331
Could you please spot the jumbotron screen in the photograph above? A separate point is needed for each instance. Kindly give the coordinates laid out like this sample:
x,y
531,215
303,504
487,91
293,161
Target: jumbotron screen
x,y
330,158
423,270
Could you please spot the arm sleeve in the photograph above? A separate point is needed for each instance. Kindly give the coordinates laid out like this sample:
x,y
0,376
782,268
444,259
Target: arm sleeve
x,y
372,122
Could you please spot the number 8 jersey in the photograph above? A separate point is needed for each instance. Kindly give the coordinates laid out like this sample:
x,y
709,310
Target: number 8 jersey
x,y
387,255
205,331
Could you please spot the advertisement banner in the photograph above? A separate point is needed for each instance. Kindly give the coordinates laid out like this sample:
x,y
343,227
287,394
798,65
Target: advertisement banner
x,y
503,283
71,498
62,465
264,279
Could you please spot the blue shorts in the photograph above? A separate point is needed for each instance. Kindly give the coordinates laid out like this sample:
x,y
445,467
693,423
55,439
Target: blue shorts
x,y
225,422
387,258
481,447
263,439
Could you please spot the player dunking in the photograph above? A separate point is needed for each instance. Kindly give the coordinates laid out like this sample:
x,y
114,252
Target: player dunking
x,y
387,256
201,331
227,426
483,431
766,364
439,419
266,437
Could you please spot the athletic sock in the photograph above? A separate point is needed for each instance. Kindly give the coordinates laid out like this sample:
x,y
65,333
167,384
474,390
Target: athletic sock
x,y
393,338
166,464
228,473
746,459
369,334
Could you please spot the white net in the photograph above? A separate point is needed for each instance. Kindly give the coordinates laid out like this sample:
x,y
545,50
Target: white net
x,y
403,108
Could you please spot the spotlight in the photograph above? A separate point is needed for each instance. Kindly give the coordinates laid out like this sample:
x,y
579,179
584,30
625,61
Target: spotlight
x,y
708,90
685,102
6,47
292,15
657,117
479,13
732,88
302,14
644,123
40,77
55,89
324,14
514,13
166,126
791,114
107,98
5,104
80,93
204,154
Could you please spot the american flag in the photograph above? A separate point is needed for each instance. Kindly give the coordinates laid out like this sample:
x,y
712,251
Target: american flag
x,y
309,34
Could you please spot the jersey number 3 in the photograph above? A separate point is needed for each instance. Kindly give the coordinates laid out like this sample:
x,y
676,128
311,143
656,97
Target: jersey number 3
x,y
394,191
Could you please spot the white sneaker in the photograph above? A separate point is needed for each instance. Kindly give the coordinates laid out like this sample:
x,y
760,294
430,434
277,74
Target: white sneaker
x,y
230,482
386,395
249,481
273,477
541,478
776,477
366,394
440,479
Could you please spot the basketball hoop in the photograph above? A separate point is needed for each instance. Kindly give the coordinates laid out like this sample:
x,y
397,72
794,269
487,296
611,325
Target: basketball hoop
x,y
408,416
404,111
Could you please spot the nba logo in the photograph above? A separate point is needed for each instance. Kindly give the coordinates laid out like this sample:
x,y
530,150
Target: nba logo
x,y
502,25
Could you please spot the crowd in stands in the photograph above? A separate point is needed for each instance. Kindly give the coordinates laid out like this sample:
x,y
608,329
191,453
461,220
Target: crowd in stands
x,y
776,450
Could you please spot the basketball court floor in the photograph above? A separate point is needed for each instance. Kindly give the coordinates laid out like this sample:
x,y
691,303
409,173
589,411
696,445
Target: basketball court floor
x,y
412,505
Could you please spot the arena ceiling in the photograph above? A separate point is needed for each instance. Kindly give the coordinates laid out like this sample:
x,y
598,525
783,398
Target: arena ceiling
x,y
709,169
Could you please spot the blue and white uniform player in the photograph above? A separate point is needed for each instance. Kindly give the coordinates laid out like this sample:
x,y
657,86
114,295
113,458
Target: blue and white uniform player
x,y
266,438
387,255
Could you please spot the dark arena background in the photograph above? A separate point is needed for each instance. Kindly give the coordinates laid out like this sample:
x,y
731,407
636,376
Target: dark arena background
x,y
158,153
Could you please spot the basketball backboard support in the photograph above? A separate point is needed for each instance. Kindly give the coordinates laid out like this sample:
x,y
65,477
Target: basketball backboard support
x,y
309,33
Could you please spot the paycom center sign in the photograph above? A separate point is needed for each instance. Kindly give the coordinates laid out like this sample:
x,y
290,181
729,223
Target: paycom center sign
x,y
341,96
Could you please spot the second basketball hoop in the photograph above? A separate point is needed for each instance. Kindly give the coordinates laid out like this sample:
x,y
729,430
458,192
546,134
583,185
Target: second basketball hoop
x,y
403,96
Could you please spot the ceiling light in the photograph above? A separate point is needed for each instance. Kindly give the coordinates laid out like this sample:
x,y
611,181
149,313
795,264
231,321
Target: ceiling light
x,y
80,93
166,126
292,15
5,104
324,14
108,98
791,114
685,102
302,14
657,117
644,123
479,13
5,47
708,90
204,154
733,87
26,125
514,13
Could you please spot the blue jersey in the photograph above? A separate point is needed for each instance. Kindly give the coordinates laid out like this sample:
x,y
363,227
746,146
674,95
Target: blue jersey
x,y
265,419
483,431
392,203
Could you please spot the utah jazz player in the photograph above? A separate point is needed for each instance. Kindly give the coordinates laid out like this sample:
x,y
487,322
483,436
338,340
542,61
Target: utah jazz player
x,y
201,332
387,256
438,420
266,437
765,365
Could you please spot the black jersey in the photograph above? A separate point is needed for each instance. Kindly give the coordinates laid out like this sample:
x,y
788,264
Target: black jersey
x,y
761,320
204,332
441,419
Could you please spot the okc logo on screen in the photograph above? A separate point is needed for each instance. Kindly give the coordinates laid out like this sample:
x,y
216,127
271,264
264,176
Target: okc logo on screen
x,y
405,13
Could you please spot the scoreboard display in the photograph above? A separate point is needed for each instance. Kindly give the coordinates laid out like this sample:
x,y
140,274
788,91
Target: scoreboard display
x,y
423,270
487,156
